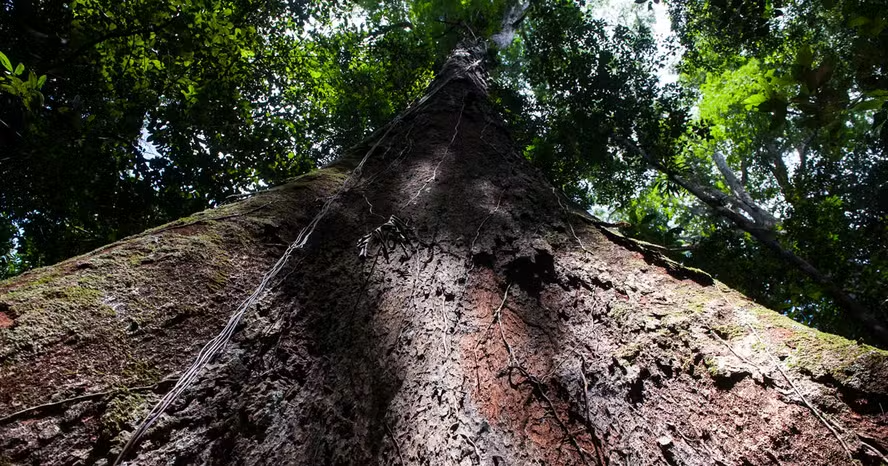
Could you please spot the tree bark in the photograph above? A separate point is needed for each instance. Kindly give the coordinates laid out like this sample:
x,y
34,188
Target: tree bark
x,y
446,309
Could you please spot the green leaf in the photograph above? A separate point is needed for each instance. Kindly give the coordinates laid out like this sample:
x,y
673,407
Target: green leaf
x,y
19,69
6,63
873,104
41,81
755,100
805,57
858,21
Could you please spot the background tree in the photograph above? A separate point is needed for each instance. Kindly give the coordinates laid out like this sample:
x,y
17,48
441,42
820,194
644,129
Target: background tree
x,y
794,100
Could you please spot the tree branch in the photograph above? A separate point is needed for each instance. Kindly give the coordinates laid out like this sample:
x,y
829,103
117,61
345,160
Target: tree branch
x,y
117,35
759,215
718,201
714,198
385,29
512,18
802,150
779,171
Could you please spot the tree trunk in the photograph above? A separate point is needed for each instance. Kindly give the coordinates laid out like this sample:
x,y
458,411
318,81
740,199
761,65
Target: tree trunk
x,y
485,323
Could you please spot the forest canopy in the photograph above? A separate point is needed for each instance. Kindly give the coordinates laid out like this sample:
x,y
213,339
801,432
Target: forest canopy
x,y
761,162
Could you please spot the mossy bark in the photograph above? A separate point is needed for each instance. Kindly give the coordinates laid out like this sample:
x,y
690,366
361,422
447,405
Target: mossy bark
x,y
495,327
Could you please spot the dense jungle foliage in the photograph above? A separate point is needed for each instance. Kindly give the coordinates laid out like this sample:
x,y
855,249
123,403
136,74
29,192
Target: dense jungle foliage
x,y
749,142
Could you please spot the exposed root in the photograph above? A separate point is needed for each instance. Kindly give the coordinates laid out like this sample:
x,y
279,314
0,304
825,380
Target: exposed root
x,y
599,447
496,319
820,417
387,237
474,447
407,149
371,207
478,231
495,149
538,387
731,349
569,224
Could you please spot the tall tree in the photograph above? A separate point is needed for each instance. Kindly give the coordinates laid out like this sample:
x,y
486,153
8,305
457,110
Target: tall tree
x,y
439,303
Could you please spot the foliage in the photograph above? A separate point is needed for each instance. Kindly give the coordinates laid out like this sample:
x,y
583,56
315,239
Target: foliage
x,y
158,108
578,81
794,95
28,90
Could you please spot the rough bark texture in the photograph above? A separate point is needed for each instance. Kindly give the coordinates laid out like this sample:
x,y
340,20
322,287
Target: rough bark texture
x,y
507,330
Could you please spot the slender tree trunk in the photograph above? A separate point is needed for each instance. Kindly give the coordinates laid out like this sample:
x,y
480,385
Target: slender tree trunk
x,y
448,308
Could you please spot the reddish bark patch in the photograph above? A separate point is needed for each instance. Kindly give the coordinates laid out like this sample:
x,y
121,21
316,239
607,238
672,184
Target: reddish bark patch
x,y
782,335
5,321
510,386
